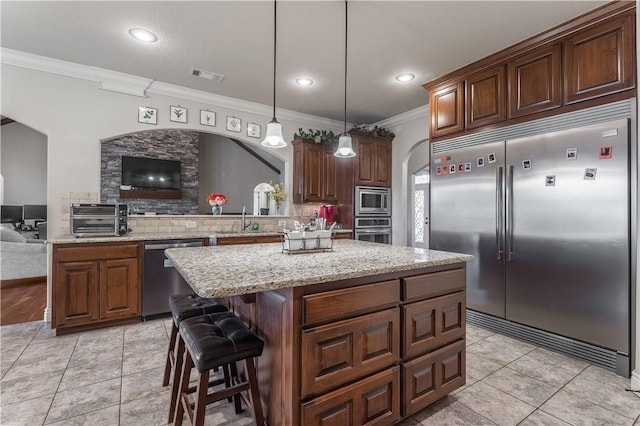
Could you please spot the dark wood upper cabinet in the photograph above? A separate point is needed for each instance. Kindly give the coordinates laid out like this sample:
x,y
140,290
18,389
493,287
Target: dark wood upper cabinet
x,y
486,98
446,104
316,173
535,81
600,60
372,165
587,61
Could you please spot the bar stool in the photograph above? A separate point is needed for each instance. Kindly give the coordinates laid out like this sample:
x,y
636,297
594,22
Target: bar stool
x,y
212,341
185,306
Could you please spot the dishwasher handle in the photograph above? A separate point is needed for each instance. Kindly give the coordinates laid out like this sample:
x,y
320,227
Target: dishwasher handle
x,y
172,245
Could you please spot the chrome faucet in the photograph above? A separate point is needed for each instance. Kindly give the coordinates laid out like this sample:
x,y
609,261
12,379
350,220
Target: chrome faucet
x,y
243,225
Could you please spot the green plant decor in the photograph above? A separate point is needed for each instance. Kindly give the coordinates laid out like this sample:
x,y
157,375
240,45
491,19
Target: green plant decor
x,y
322,137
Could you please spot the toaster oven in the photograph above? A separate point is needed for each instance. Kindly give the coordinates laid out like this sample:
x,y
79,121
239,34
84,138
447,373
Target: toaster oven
x,y
98,220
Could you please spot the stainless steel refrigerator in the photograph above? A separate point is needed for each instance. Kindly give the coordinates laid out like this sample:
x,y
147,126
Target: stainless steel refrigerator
x,y
547,218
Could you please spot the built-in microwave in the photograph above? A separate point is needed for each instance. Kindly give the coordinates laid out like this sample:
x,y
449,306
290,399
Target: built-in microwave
x,y
371,200
98,220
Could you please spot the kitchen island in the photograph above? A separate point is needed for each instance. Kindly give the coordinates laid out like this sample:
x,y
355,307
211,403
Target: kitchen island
x,y
365,333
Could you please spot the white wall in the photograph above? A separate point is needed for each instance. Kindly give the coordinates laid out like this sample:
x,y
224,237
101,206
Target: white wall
x,y
410,129
75,115
23,165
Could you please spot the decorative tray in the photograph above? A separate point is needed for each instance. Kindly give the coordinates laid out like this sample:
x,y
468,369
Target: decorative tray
x,y
294,242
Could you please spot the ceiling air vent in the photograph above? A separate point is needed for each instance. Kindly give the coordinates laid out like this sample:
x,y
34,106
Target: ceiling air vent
x,y
209,75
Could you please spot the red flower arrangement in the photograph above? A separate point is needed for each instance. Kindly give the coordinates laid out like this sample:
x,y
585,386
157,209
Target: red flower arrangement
x,y
217,199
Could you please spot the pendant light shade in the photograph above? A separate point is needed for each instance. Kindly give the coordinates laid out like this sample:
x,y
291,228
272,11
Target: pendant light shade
x,y
345,145
273,138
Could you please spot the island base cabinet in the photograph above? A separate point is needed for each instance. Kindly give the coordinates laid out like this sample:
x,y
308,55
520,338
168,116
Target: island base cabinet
x,y
371,401
431,377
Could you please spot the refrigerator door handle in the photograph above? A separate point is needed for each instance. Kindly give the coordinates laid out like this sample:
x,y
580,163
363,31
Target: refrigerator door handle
x,y
509,213
499,212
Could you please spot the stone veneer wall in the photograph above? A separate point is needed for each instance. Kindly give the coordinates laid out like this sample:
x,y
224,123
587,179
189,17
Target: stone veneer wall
x,y
180,145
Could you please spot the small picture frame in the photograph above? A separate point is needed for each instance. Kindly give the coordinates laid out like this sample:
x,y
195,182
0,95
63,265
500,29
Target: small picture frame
x,y
461,168
467,167
572,153
526,165
491,158
253,130
178,114
606,152
452,169
480,161
234,124
147,115
590,173
207,118
439,171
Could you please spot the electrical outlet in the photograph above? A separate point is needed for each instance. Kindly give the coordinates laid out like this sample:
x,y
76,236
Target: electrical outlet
x,y
190,224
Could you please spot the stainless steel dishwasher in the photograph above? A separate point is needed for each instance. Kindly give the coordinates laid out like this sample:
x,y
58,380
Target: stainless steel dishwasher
x,y
160,279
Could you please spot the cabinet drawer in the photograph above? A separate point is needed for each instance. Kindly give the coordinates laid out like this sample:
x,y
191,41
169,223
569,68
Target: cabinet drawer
x,y
82,252
371,401
347,350
431,377
349,302
432,323
432,285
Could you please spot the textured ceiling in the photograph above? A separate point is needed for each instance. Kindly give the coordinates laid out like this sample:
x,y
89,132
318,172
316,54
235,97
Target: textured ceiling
x,y
235,38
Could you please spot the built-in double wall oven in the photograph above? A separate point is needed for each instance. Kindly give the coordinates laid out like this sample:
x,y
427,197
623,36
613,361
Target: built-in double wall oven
x,y
373,214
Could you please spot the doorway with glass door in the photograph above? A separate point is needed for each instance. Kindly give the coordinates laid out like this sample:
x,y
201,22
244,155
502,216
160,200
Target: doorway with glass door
x,y
418,219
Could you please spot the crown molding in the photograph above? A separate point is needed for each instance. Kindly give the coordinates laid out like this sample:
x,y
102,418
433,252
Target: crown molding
x,y
139,86
419,113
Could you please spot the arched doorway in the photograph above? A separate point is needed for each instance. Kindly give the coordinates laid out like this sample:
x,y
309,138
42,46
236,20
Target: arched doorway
x,y
418,196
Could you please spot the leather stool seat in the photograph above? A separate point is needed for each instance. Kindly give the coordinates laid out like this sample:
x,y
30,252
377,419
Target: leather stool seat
x,y
214,340
186,306
217,339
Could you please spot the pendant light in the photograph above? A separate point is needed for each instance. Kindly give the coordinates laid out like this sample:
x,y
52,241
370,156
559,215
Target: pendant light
x,y
273,138
345,146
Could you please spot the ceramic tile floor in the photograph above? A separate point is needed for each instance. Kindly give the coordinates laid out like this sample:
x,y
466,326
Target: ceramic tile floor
x,y
113,377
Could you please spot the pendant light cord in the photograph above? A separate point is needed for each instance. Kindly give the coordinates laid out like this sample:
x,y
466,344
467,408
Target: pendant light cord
x,y
275,12
345,63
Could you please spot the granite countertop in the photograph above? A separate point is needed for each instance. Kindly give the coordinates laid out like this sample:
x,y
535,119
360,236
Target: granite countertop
x,y
232,270
132,236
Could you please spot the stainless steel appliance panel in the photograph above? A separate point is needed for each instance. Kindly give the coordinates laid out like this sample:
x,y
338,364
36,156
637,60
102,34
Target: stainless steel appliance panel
x,y
374,235
160,278
466,218
370,200
373,222
567,233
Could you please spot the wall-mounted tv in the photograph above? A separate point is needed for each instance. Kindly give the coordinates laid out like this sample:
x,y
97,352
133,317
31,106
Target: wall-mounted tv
x,y
150,173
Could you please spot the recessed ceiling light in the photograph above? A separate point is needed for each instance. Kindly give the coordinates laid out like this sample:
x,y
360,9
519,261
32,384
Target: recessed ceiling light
x,y
304,81
404,77
143,35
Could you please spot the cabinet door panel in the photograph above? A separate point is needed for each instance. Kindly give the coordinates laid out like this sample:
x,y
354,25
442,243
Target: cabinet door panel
x,y
447,109
432,376
313,158
486,98
364,164
343,351
383,164
119,290
76,293
600,60
331,180
371,401
535,81
432,323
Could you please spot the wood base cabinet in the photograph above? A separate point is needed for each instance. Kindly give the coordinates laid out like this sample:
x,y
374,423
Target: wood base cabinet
x,y
95,285
363,351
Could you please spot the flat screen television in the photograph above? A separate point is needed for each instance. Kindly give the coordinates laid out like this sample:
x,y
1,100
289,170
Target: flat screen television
x,y
35,211
11,214
150,173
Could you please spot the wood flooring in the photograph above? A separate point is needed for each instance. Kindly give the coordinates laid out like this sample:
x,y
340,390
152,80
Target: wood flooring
x,y
23,302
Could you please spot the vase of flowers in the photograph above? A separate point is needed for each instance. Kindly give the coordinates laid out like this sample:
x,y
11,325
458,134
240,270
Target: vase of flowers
x,y
278,195
216,200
